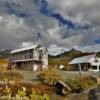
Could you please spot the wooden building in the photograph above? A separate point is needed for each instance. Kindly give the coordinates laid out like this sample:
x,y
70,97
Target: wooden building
x,y
30,58
86,63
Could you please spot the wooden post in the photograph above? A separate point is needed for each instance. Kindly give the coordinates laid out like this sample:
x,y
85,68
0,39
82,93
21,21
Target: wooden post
x,y
80,70
98,68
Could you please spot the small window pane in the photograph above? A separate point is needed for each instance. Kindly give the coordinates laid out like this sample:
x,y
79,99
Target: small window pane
x,y
94,67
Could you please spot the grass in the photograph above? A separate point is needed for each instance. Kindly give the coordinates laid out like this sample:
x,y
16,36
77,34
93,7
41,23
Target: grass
x,y
3,64
3,61
10,75
78,85
30,81
30,77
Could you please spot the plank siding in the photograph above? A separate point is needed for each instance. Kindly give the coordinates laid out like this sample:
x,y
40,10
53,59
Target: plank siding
x,y
27,59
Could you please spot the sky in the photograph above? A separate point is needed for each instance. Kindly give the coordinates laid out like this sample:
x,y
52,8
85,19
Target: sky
x,y
58,24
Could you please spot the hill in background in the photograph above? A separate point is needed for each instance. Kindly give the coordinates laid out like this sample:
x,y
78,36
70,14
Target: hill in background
x,y
4,54
66,57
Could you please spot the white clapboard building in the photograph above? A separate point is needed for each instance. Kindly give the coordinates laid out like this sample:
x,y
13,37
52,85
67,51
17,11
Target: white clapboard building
x,y
86,63
30,58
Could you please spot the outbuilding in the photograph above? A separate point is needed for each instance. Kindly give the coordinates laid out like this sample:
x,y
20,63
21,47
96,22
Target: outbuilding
x,y
86,63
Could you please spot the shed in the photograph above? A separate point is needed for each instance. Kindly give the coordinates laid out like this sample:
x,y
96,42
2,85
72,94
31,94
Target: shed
x,y
90,62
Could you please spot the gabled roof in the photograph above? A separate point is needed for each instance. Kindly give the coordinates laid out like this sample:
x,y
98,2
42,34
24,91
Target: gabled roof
x,y
84,59
23,49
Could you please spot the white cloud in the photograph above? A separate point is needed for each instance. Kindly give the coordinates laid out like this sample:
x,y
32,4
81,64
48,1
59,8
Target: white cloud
x,y
16,31
25,44
12,30
74,40
91,48
77,10
56,50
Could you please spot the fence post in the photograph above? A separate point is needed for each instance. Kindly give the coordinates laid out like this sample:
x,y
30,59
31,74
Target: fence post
x,y
80,70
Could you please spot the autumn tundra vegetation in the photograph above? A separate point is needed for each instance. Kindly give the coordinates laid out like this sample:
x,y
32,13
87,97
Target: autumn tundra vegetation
x,y
12,89
12,86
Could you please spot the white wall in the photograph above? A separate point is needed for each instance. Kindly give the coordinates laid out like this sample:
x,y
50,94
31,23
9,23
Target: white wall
x,y
94,63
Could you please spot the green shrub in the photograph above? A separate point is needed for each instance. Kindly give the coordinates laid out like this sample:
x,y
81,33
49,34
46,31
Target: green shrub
x,y
49,76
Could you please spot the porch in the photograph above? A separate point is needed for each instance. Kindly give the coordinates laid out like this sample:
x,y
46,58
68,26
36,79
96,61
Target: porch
x,y
28,65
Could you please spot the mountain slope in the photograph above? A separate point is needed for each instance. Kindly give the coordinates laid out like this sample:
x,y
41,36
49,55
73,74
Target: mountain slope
x,y
65,57
4,54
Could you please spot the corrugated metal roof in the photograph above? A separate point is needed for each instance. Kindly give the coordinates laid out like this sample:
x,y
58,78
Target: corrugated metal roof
x,y
84,59
23,49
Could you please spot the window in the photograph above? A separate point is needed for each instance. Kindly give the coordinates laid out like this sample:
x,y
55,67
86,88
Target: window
x,y
40,54
45,51
31,53
94,67
96,60
36,54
